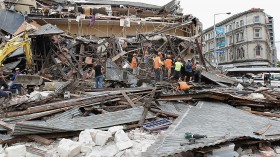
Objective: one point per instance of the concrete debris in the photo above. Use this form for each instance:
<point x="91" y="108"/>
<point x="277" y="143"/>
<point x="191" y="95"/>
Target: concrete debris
<point x="101" y="137"/>
<point x="68" y="148"/>
<point x="138" y="84"/>
<point x="122" y="140"/>
<point x="114" y="129"/>
<point x="16" y="151"/>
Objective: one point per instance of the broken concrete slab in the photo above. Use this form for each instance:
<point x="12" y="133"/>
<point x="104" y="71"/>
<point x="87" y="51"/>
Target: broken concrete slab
<point x="68" y="148"/>
<point x="114" y="129"/>
<point x="122" y="140"/>
<point x="102" y="137"/>
<point x="16" y="151"/>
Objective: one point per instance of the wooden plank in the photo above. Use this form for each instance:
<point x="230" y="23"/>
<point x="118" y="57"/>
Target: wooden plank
<point x="263" y="130"/>
<point x="39" y="139"/>
<point x="165" y="113"/>
<point x="265" y="114"/>
<point x="147" y="107"/>
<point x="6" y="125"/>
<point x="128" y="99"/>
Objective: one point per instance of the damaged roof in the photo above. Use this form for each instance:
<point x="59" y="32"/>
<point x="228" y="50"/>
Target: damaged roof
<point x="110" y="2"/>
<point x="217" y="121"/>
<point x="48" y="29"/>
<point x="10" y="20"/>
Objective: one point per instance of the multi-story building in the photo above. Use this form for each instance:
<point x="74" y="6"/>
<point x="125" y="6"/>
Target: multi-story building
<point x="249" y="41"/>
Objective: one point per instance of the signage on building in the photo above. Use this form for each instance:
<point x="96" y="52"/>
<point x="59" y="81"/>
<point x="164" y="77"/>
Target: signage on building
<point x="220" y="51"/>
<point x="220" y="37"/>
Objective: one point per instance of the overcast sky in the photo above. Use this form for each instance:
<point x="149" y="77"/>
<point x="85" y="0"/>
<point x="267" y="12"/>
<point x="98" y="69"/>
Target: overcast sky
<point x="205" y="10"/>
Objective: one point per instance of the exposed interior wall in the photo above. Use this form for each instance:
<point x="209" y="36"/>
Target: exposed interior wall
<point x="109" y="30"/>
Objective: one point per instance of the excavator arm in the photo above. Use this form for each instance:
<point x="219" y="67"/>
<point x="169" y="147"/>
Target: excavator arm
<point x="13" y="45"/>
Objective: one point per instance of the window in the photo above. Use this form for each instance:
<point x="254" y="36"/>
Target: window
<point x="241" y="23"/>
<point x="230" y="40"/>
<point x="230" y="27"/>
<point x="230" y="54"/>
<point x="256" y="19"/>
<point x="241" y="36"/>
<point x="257" y="32"/>
<point x="258" y="50"/>
<point x="211" y="45"/>
<point x="237" y="37"/>
<point x="222" y="57"/>
<point x="237" y="24"/>
<point x="240" y="53"/>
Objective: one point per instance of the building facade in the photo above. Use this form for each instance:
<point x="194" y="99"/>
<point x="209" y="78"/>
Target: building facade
<point x="248" y="41"/>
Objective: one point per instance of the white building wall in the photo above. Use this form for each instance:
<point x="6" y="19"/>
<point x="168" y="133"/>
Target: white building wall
<point x="246" y="24"/>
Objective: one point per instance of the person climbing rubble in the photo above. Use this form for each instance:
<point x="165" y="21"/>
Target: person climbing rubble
<point x="168" y="66"/>
<point x="157" y="66"/>
<point x="183" y="86"/>
<point x="134" y="64"/>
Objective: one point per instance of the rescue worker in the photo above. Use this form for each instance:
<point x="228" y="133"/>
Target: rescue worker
<point x="168" y="66"/>
<point x="157" y="66"/>
<point x="3" y="83"/>
<point x="146" y="60"/>
<point x="134" y="64"/>
<point x="188" y="71"/>
<point x="197" y="72"/>
<point x="193" y="69"/>
<point x="98" y="75"/>
<point x="183" y="86"/>
<point x="178" y="67"/>
<point x="16" y="86"/>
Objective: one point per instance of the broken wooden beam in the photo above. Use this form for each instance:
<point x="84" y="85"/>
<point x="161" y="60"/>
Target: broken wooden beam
<point x="265" y="114"/>
<point x="39" y="139"/>
<point x="164" y="112"/>
<point x="6" y="126"/>
<point x="263" y="130"/>
<point x="128" y="99"/>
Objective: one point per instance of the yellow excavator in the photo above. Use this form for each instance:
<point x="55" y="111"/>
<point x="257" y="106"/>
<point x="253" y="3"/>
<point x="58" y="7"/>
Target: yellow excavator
<point x="9" y="47"/>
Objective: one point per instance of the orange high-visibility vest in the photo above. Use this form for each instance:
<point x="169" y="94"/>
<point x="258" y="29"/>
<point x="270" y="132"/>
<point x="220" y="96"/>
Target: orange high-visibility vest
<point x="183" y="85"/>
<point x="156" y="62"/>
<point x="133" y="62"/>
<point x="168" y="63"/>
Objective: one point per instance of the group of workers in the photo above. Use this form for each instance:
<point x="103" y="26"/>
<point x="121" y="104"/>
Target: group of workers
<point x="164" y="65"/>
<point x="7" y="86"/>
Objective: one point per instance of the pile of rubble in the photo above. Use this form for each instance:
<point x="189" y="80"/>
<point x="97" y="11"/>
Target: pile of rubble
<point x="61" y="113"/>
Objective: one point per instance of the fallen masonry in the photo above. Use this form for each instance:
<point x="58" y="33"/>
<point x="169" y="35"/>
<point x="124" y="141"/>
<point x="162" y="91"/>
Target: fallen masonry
<point x="59" y="110"/>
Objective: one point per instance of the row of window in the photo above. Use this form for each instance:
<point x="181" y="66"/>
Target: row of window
<point x="230" y="27"/>
<point x="239" y="36"/>
<point x="240" y="54"/>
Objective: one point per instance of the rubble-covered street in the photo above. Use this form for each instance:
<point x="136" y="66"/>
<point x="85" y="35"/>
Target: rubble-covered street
<point x="123" y="79"/>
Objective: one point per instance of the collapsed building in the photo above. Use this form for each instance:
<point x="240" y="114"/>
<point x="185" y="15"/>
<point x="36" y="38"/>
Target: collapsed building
<point x="67" y="36"/>
<point x="79" y="31"/>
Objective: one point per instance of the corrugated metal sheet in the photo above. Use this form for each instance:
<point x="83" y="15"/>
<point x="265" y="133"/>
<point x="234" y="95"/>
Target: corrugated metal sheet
<point x="48" y="29"/>
<point x="219" y="121"/>
<point x="10" y="20"/>
<point x="216" y="78"/>
<point x="65" y="115"/>
<point x="82" y="123"/>
<point x="173" y="107"/>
